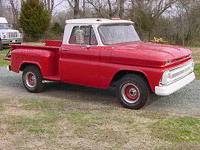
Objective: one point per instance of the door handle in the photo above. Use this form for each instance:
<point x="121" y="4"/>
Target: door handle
<point x="66" y="49"/>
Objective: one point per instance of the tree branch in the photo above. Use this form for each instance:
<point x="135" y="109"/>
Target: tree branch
<point x="70" y="4"/>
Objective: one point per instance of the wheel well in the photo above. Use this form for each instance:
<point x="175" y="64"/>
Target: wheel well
<point x="27" y="64"/>
<point x="122" y="73"/>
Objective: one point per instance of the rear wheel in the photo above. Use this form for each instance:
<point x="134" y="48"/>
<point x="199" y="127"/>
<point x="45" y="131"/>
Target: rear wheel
<point x="32" y="79"/>
<point x="132" y="91"/>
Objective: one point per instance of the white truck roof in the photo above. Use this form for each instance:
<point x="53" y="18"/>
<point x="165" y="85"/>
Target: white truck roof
<point x="3" y="20"/>
<point x="96" y="21"/>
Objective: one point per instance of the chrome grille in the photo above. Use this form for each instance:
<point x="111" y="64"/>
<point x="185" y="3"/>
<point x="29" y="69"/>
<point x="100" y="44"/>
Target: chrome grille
<point x="12" y="34"/>
<point x="181" y="71"/>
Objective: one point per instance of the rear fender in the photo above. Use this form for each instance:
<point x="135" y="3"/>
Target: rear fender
<point x="25" y="64"/>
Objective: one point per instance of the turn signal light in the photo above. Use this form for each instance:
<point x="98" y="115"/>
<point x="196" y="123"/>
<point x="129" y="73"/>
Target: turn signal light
<point x="115" y="18"/>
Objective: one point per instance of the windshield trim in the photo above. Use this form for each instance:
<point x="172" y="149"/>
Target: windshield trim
<point x="115" y="24"/>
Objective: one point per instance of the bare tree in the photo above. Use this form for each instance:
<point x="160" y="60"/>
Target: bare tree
<point x="74" y="4"/>
<point x="15" y="7"/>
<point x="188" y="12"/>
<point x="49" y="5"/>
<point x="1" y="8"/>
<point x="62" y="16"/>
<point x="84" y="8"/>
<point x="147" y="12"/>
<point x="105" y="8"/>
<point x="155" y="7"/>
<point x="121" y="9"/>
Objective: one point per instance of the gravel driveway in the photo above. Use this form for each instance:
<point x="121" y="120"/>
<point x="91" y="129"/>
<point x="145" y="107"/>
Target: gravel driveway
<point x="184" y="101"/>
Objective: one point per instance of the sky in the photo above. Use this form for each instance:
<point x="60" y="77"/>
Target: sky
<point x="61" y="7"/>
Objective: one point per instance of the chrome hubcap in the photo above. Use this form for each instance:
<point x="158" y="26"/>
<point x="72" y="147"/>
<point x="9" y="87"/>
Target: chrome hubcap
<point x="130" y="93"/>
<point x="133" y="92"/>
<point x="30" y="79"/>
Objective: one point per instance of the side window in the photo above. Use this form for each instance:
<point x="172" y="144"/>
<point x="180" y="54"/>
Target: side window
<point x="88" y="33"/>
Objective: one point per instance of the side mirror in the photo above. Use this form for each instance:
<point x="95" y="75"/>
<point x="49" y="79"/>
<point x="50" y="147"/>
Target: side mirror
<point x="79" y="36"/>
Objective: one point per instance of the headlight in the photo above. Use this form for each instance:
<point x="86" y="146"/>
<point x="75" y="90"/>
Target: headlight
<point x="166" y="78"/>
<point x="3" y="35"/>
<point x="192" y="67"/>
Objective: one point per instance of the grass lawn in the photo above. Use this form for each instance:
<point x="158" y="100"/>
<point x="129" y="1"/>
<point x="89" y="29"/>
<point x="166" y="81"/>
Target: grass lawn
<point x="196" y="56"/>
<point x="66" y="124"/>
<point x="2" y="55"/>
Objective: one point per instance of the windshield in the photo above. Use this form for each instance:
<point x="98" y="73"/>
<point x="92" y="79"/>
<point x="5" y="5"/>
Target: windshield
<point x="4" y="26"/>
<point x="118" y="33"/>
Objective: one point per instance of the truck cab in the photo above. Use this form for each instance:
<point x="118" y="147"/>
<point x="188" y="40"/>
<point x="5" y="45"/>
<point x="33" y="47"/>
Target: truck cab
<point x="101" y="53"/>
<point x="8" y="35"/>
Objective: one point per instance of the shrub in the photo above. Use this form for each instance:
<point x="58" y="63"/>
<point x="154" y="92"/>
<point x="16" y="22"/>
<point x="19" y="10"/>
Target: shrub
<point x="57" y="29"/>
<point x="34" y="19"/>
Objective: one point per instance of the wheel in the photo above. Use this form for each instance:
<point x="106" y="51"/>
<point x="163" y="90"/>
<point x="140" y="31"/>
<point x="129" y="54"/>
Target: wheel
<point x="1" y="45"/>
<point x="32" y="79"/>
<point x="132" y="91"/>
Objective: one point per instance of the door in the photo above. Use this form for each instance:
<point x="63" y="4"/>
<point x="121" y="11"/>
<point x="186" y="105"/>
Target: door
<point x="79" y="63"/>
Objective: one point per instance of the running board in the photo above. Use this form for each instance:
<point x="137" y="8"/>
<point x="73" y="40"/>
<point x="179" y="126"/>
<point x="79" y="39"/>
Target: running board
<point x="53" y="78"/>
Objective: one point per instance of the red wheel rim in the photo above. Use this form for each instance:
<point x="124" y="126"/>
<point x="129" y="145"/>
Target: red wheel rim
<point x="132" y="93"/>
<point x="30" y="79"/>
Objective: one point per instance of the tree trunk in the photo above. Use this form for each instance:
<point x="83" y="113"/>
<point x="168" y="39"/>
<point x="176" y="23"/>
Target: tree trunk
<point x="83" y="8"/>
<point x="1" y="9"/>
<point x="76" y="9"/>
<point x="49" y="5"/>
<point x="15" y="14"/>
<point x="110" y="9"/>
<point x="121" y="10"/>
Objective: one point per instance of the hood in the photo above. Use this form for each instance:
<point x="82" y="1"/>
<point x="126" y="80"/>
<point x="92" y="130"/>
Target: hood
<point x="8" y="30"/>
<point x="147" y="54"/>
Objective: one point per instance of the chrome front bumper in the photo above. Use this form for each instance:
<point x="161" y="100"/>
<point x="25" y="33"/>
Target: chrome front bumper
<point x="12" y="41"/>
<point x="169" y="89"/>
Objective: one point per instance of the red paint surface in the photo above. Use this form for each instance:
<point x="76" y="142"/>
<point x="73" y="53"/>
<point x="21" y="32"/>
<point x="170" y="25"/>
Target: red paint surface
<point x="30" y="80"/>
<point x="53" y="43"/>
<point x="96" y="66"/>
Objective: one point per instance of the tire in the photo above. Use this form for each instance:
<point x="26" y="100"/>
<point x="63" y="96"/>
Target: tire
<point x="1" y="45"/>
<point x="132" y="91"/>
<point x="32" y="79"/>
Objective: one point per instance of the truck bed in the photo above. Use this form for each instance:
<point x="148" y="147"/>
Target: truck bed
<point x="49" y="44"/>
<point x="45" y="57"/>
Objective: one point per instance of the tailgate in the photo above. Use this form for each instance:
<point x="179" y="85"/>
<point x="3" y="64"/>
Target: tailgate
<point x="8" y="56"/>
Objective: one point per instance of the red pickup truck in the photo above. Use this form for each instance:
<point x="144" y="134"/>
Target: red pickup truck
<point x="102" y="53"/>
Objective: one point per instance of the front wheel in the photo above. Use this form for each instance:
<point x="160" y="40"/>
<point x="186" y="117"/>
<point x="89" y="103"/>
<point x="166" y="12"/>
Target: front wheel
<point x="132" y="91"/>
<point x="32" y="79"/>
